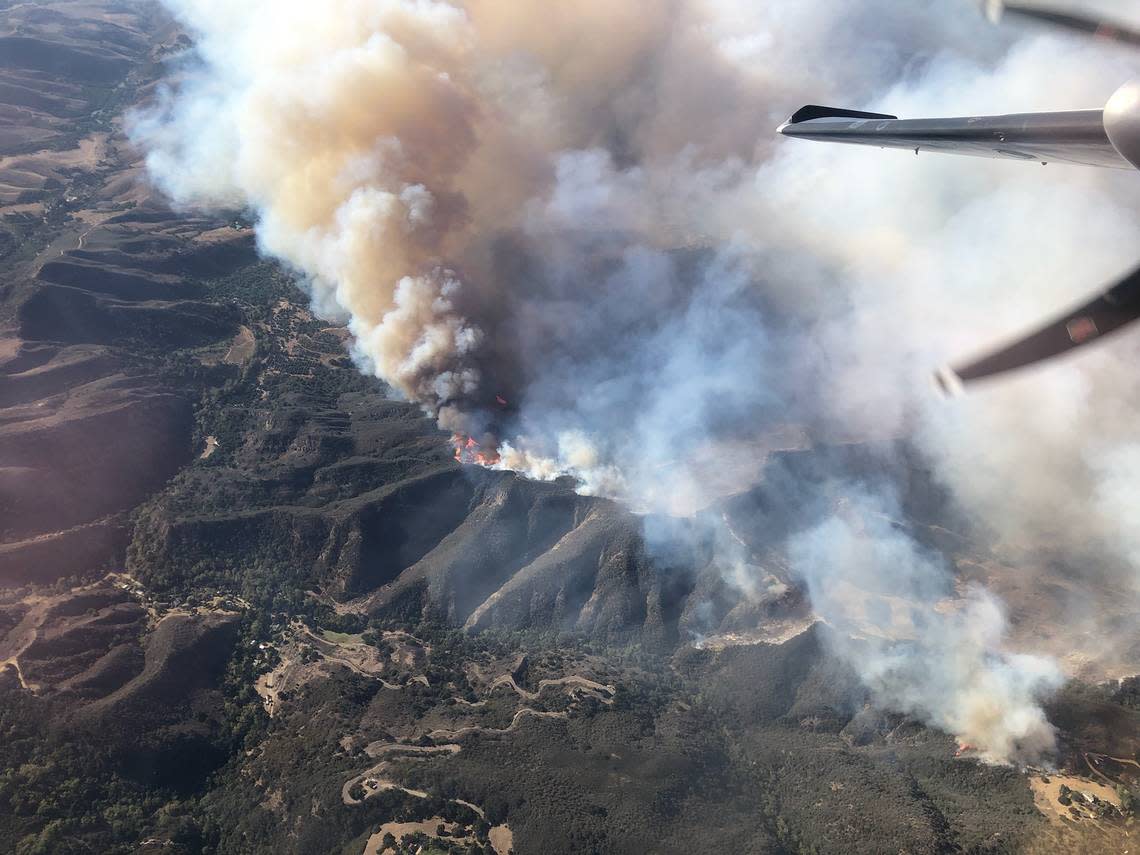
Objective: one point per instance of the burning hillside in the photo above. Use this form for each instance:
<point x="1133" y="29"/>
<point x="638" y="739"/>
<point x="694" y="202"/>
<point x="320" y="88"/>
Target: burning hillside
<point x="492" y="195"/>
<point x="469" y="451"/>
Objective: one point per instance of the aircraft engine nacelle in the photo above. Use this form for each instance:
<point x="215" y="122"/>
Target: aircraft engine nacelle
<point x="1122" y="121"/>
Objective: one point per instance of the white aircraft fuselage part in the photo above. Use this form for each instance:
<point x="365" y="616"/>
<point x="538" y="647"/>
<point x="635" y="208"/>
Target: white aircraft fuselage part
<point x="1122" y="121"/>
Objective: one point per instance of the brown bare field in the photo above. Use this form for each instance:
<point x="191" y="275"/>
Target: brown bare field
<point x="241" y="348"/>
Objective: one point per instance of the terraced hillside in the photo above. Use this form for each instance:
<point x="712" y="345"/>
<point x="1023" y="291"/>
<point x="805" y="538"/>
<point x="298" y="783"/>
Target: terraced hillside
<point x="95" y="290"/>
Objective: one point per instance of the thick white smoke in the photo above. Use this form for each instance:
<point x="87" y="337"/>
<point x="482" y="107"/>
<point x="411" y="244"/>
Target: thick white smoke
<point x="345" y="132"/>
<point x="582" y="209"/>
<point x="918" y="648"/>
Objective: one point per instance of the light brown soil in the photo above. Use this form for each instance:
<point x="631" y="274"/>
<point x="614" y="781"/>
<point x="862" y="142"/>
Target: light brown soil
<point x="1067" y="615"/>
<point x="514" y="725"/>
<point x="24" y="633"/>
<point x="373" y="780"/>
<point x="1079" y="833"/>
<point x="1045" y="796"/>
<point x="23" y="172"/>
<point x="603" y="693"/>
<point x="241" y="348"/>
<point x="773" y="632"/>
<point x="399" y="829"/>
<point x="334" y="649"/>
<point x="502" y="839"/>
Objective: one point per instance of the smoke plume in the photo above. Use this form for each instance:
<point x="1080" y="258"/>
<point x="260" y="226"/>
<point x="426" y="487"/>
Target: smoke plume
<point x="570" y="233"/>
<point x="918" y="648"/>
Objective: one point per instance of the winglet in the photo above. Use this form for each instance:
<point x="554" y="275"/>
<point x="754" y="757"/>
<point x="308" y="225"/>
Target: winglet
<point x="814" y="111"/>
<point x="948" y="382"/>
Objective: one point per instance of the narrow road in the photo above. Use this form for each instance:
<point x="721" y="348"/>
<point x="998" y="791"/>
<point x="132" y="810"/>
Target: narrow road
<point x="375" y="772"/>
<point x="476" y="728"/>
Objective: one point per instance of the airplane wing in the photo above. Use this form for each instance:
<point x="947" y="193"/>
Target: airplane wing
<point x="1101" y="316"/>
<point x="1089" y="25"/>
<point x="1070" y="137"/>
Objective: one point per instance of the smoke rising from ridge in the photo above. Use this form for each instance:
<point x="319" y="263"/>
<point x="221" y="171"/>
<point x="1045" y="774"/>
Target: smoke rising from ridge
<point x="582" y="209"/>
<point x="918" y="649"/>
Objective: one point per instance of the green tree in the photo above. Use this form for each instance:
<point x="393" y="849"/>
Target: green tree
<point x="1127" y="801"/>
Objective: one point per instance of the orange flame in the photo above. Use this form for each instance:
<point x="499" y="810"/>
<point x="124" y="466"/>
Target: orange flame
<point x="469" y="451"/>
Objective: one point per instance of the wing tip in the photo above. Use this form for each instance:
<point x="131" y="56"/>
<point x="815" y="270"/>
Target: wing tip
<point x="948" y="382"/>
<point x="815" y="111"/>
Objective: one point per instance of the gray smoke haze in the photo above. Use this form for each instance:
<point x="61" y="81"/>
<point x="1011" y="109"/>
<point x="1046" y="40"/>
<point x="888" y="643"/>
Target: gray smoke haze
<point x="919" y="648"/>
<point x="582" y="209"/>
